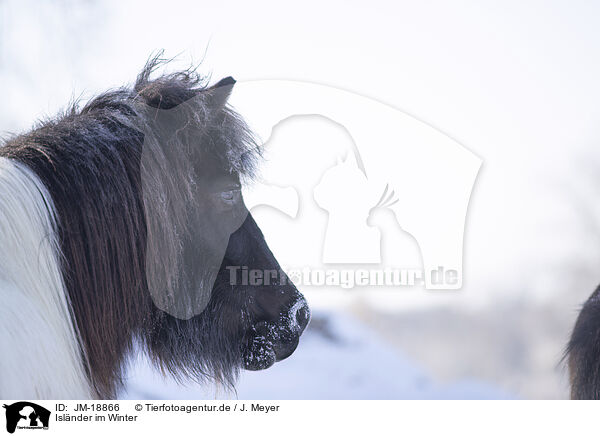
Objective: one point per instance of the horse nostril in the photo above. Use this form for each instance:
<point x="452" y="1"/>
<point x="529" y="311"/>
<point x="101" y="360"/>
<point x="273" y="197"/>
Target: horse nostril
<point x="302" y="316"/>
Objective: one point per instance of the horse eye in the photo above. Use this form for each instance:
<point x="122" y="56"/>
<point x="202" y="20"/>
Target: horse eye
<point x="229" y="196"/>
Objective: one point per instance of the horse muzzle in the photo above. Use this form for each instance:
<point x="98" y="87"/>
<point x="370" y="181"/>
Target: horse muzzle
<point x="271" y="341"/>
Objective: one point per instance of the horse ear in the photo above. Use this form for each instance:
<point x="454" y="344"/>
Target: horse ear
<point x="219" y="93"/>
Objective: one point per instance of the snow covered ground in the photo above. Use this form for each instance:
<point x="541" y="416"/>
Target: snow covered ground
<point x="338" y="358"/>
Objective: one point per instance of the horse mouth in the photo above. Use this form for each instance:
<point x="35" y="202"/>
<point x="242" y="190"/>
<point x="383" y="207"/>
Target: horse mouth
<point x="262" y="353"/>
<point x="269" y="342"/>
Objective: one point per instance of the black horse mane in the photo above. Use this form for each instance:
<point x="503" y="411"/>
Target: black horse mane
<point x="90" y="159"/>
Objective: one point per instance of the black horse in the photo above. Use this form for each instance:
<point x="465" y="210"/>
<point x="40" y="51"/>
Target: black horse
<point x="145" y="183"/>
<point x="583" y="351"/>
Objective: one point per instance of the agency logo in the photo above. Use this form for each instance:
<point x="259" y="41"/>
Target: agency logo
<point x="27" y="416"/>
<point x="366" y="195"/>
<point x="362" y="187"/>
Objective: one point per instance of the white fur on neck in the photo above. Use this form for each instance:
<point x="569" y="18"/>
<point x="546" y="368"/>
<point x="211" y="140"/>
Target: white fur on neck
<point x="40" y="357"/>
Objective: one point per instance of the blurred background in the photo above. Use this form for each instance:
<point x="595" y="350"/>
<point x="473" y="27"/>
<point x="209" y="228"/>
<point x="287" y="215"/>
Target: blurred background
<point x="514" y="82"/>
